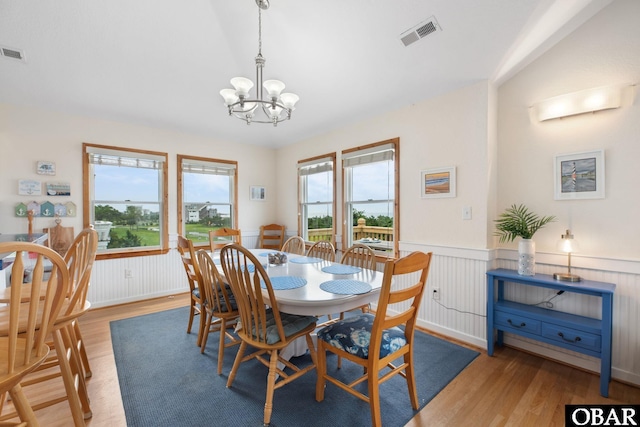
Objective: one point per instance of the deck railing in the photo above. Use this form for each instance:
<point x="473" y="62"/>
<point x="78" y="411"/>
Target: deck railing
<point x="360" y="231"/>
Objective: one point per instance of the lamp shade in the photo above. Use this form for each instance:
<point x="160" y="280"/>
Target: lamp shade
<point x="567" y="243"/>
<point x="229" y="96"/>
<point x="273" y="87"/>
<point x="289" y="100"/>
<point x="586" y="101"/>
<point x="242" y="85"/>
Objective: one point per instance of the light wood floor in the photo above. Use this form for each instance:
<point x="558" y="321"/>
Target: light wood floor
<point x="512" y="388"/>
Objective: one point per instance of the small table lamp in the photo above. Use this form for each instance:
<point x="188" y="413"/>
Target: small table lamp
<point x="568" y="245"/>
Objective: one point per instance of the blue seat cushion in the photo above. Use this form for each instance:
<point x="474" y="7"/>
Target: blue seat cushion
<point x="223" y="301"/>
<point x="353" y="335"/>
<point x="291" y="324"/>
<point x="196" y="293"/>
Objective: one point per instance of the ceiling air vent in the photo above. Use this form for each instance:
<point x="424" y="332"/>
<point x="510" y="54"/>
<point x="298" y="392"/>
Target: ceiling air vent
<point x="11" y="53"/>
<point x="420" y="31"/>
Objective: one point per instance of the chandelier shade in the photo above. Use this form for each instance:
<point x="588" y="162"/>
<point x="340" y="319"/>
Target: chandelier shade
<point x="276" y="107"/>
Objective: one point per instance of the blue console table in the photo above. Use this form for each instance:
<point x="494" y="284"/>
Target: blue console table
<point x="586" y="335"/>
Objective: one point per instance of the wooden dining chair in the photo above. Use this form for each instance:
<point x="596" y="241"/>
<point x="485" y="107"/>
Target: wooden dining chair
<point x="221" y="236"/>
<point x="361" y="256"/>
<point x="196" y="300"/>
<point x="220" y="309"/>
<point x="294" y="245"/>
<point x="69" y="359"/>
<point x="264" y="328"/>
<point x="376" y="341"/>
<point x="271" y="236"/>
<point x="25" y="325"/>
<point x="322" y="249"/>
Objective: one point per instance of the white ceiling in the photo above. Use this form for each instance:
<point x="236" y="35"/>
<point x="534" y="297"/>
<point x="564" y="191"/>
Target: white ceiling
<point x="162" y="63"/>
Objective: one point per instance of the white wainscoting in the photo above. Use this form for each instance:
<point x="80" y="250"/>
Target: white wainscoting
<point x="460" y="313"/>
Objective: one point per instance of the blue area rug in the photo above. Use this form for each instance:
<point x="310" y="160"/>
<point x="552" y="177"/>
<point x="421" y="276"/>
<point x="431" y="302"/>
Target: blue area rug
<point x="165" y="381"/>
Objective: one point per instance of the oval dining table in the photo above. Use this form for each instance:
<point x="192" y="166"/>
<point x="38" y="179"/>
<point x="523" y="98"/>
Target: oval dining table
<point x="311" y="298"/>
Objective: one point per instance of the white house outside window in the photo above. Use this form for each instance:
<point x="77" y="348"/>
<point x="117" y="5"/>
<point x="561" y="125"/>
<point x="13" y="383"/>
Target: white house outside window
<point x="207" y="196"/>
<point x="125" y="194"/>
<point x="316" y="198"/>
<point x="370" y="193"/>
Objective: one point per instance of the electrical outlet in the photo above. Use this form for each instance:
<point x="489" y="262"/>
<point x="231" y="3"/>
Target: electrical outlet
<point x="128" y="274"/>
<point x="435" y="294"/>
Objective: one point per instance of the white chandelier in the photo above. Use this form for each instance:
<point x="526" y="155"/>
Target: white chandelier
<point x="277" y="108"/>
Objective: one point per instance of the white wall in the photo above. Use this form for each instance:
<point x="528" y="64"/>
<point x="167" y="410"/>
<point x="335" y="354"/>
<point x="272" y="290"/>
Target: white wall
<point x="450" y="130"/>
<point x="604" y="51"/>
<point x="28" y="135"/>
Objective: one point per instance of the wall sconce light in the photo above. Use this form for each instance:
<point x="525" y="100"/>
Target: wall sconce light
<point x="585" y="101"/>
<point x="567" y="244"/>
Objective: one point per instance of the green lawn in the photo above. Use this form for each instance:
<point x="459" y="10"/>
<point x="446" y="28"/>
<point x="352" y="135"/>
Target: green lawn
<point x="150" y="236"/>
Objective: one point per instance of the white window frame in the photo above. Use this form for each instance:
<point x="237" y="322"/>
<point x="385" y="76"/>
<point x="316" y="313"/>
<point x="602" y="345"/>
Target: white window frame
<point x="204" y="165"/>
<point x="308" y="167"/>
<point x="372" y="153"/>
<point x="125" y="157"/>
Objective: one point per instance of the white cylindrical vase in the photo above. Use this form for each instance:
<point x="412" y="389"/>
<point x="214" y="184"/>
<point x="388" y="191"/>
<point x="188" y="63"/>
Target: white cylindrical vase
<point x="526" y="257"/>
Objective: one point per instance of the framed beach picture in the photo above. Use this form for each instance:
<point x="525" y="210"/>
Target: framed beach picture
<point x="579" y="175"/>
<point x="439" y="182"/>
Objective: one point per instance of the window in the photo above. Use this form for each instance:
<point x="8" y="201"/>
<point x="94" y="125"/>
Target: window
<point x="371" y="196"/>
<point x="316" y="192"/>
<point x="207" y="197"/>
<point x="125" y="193"/>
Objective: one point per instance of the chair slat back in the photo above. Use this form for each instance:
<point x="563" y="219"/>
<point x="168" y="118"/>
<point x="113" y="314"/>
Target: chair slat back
<point x="416" y="263"/>
<point x="222" y="236"/>
<point x="359" y="255"/>
<point x="80" y="258"/>
<point x="245" y="275"/>
<point x="322" y="249"/>
<point x="271" y="236"/>
<point x="294" y="245"/>
<point x="188" y="257"/>
<point x="24" y="326"/>
<point x="216" y="294"/>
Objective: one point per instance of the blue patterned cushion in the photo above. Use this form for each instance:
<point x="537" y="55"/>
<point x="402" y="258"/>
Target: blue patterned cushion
<point x="232" y="300"/>
<point x="353" y="335"/>
<point x="196" y="293"/>
<point x="291" y="324"/>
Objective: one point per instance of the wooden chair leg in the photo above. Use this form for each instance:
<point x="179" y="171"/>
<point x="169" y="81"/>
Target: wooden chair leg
<point x="192" y="315"/>
<point x="67" y="378"/>
<point x="75" y="363"/>
<point x="271" y="381"/>
<point x="223" y="331"/>
<point x="236" y="363"/>
<point x="205" y="331"/>
<point x="411" y="383"/>
<point x="22" y="406"/>
<point x="82" y="350"/>
<point x="374" y="398"/>
<point x="203" y="321"/>
<point x="321" y="371"/>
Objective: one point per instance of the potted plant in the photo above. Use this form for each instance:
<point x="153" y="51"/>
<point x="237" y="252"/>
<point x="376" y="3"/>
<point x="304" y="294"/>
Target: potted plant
<point x="518" y="221"/>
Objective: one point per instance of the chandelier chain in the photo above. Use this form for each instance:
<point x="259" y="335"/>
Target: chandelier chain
<point x="259" y="31"/>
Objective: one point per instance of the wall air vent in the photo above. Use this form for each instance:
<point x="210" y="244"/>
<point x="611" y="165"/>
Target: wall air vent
<point x="420" y="31"/>
<point x="11" y="53"/>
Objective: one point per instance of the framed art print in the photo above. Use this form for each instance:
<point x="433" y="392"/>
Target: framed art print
<point x="257" y="192"/>
<point x="440" y="182"/>
<point x="579" y="175"/>
<point x="45" y="168"/>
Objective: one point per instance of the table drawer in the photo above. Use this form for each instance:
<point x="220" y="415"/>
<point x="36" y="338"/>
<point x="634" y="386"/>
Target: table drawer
<point x="572" y="337"/>
<point x="521" y="323"/>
